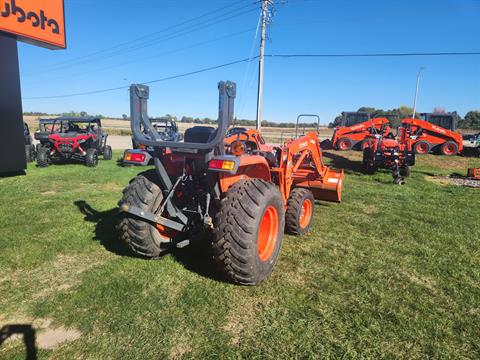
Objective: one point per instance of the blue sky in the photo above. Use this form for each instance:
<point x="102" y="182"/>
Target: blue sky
<point x="325" y="86"/>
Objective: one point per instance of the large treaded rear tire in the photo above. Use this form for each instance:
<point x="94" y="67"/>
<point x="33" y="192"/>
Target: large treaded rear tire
<point x="237" y="225"/>
<point x="142" y="237"/>
<point x="295" y="223"/>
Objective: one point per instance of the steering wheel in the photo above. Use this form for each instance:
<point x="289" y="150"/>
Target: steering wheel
<point x="239" y="133"/>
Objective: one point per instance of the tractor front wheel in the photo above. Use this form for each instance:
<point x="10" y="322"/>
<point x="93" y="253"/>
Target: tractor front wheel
<point x="248" y="231"/>
<point x="43" y="156"/>
<point x="91" y="158"/>
<point x="299" y="214"/>
<point x="141" y="237"/>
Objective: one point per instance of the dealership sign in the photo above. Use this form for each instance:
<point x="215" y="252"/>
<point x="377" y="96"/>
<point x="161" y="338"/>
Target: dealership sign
<point x="39" y="22"/>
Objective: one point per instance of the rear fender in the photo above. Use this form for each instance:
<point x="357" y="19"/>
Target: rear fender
<point x="249" y="167"/>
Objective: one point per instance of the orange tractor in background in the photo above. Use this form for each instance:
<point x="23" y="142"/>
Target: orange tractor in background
<point x="434" y="133"/>
<point x="355" y="128"/>
<point x="390" y="152"/>
<point x="230" y="193"/>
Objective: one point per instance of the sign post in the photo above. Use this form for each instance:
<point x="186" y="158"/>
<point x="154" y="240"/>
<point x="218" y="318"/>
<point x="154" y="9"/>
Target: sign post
<point x="38" y="22"/>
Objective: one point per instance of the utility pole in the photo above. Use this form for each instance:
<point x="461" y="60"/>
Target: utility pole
<point x="416" y="92"/>
<point x="261" y="63"/>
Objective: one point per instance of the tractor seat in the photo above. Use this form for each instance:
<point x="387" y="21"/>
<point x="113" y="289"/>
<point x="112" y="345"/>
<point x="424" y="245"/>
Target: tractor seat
<point x="199" y="134"/>
<point x="389" y="143"/>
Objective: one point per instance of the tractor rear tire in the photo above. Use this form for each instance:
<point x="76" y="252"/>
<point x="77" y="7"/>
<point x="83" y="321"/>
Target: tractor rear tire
<point x="299" y="214"/>
<point x="405" y="171"/>
<point x="344" y="144"/>
<point x="107" y="152"/>
<point x="42" y="156"/>
<point x="141" y="237"/>
<point x="248" y="231"/>
<point x="450" y="148"/>
<point x="422" y="148"/>
<point x="91" y="158"/>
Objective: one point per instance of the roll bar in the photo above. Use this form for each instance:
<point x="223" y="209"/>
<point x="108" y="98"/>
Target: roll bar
<point x="307" y="115"/>
<point x="144" y="133"/>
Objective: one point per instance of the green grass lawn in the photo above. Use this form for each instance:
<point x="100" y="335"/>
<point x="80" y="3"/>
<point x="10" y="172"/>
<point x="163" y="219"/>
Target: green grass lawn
<point x="392" y="272"/>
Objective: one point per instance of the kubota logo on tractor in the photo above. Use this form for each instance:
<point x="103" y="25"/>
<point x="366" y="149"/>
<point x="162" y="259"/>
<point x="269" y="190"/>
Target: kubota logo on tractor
<point x="35" y="21"/>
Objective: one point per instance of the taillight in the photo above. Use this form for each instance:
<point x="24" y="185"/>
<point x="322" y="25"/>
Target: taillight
<point x="218" y="164"/>
<point x="135" y="157"/>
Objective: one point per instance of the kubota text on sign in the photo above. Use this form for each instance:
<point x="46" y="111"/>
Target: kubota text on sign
<point x="41" y="22"/>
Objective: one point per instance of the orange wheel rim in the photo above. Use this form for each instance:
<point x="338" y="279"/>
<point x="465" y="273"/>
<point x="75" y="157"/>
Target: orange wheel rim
<point x="422" y="148"/>
<point x="305" y="213"/>
<point x="267" y="233"/>
<point x="343" y="145"/>
<point x="449" y="149"/>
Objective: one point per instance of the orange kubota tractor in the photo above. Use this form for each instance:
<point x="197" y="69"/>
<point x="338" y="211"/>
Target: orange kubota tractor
<point x="434" y="133"/>
<point x="240" y="199"/>
<point x="388" y="152"/>
<point x="354" y="129"/>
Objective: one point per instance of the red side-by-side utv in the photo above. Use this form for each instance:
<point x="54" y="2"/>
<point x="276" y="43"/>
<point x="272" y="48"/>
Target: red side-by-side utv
<point x="71" y="138"/>
<point x="234" y="195"/>
<point x="434" y="133"/>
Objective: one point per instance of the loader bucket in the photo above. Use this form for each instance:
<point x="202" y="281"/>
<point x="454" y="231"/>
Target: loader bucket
<point x="326" y="144"/>
<point x="329" y="188"/>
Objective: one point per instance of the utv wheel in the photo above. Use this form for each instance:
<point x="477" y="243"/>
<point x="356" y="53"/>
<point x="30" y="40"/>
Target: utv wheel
<point x="299" y="214"/>
<point x="29" y="153"/>
<point x="449" y="148"/>
<point x="143" y="238"/>
<point x="405" y="171"/>
<point x="344" y="144"/>
<point x="107" y="152"/>
<point x="248" y="231"/>
<point x="422" y="148"/>
<point x="91" y="159"/>
<point x="43" y="157"/>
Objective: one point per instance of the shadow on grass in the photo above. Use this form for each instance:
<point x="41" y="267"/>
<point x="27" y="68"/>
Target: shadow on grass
<point x="28" y="333"/>
<point x="341" y="162"/>
<point x="196" y="257"/>
<point x="105" y="228"/>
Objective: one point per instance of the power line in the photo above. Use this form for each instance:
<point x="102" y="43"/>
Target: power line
<point x="256" y="57"/>
<point x="150" y="34"/>
<point x="146" y="82"/>
<point x="143" y="42"/>
<point x="374" y="54"/>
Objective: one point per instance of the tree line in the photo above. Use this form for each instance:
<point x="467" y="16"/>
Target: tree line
<point x="470" y="121"/>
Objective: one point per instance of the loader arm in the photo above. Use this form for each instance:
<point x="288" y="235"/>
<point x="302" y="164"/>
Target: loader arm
<point x="302" y="166"/>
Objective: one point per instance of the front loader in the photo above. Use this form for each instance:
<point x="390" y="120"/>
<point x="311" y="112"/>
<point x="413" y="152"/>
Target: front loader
<point x="240" y="198"/>
<point x="355" y="128"/>
<point x="434" y="133"/>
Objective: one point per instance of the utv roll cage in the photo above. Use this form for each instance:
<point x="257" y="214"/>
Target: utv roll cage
<point x="66" y="121"/>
